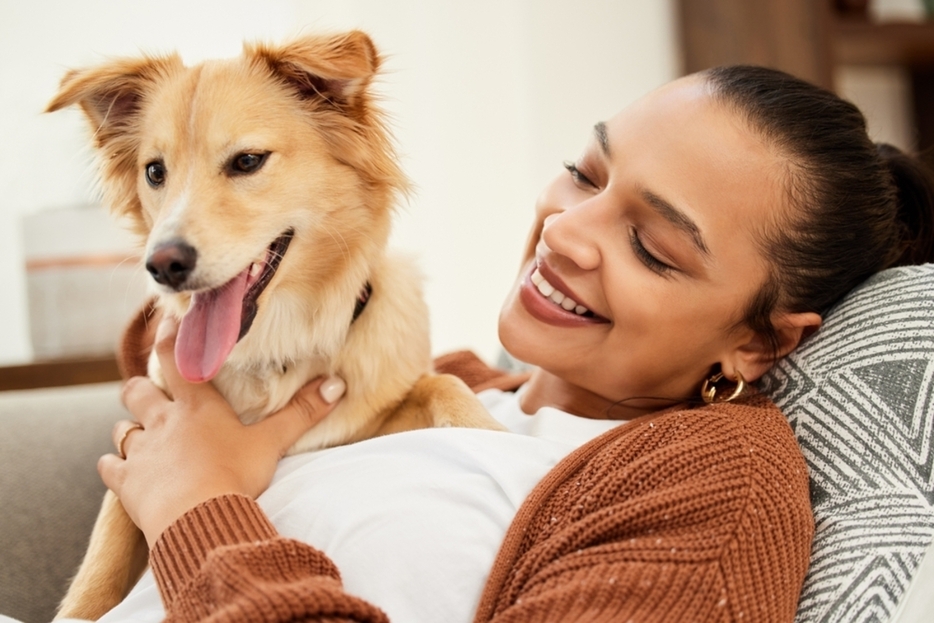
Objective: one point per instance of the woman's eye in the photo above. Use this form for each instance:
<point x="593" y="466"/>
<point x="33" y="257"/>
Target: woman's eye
<point x="578" y="177"/>
<point x="645" y="257"/>
<point x="246" y="163"/>
<point x="155" y="173"/>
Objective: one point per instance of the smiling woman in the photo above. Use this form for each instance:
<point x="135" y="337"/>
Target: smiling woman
<point x="654" y="230"/>
<point x="701" y="235"/>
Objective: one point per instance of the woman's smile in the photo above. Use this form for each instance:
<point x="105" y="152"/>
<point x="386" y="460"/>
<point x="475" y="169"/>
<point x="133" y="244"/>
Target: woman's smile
<point x="649" y="239"/>
<point x="548" y="299"/>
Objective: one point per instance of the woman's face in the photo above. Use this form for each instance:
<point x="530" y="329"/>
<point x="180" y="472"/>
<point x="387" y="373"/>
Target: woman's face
<point x="646" y="253"/>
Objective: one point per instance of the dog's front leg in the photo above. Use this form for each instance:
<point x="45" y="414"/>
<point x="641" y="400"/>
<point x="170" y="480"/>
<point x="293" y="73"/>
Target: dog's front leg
<point x="116" y="558"/>
<point x="439" y="400"/>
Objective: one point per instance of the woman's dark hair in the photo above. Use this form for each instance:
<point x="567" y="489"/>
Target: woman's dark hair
<point x="857" y="207"/>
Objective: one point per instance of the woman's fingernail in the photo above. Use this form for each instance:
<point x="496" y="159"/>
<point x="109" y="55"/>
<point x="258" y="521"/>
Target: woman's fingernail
<point x="332" y="388"/>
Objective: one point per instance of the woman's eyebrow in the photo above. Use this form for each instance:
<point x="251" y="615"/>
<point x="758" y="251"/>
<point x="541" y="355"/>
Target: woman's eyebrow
<point x="677" y="218"/>
<point x="599" y="131"/>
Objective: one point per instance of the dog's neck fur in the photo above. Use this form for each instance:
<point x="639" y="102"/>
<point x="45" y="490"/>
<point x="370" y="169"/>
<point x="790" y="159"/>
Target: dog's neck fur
<point x="269" y="365"/>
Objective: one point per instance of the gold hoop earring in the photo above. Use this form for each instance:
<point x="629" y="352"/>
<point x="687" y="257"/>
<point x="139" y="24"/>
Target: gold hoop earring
<point x="709" y="388"/>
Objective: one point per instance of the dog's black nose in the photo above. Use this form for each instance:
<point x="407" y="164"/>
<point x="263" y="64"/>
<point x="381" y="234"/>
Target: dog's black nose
<point x="171" y="263"/>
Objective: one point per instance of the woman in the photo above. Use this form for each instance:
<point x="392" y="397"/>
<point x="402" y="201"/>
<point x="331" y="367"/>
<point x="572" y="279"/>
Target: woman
<point x="699" y="238"/>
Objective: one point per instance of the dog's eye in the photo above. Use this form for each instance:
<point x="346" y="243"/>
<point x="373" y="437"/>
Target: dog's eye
<point x="244" y="164"/>
<point x="155" y="173"/>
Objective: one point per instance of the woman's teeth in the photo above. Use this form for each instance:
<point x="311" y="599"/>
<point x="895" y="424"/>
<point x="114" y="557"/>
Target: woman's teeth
<point x="548" y="291"/>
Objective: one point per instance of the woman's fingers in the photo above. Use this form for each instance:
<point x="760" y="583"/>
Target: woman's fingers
<point x="142" y="398"/>
<point x="166" y="333"/>
<point x="307" y="407"/>
<point x="176" y="385"/>
<point x="121" y="435"/>
<point x="111" y="469"/>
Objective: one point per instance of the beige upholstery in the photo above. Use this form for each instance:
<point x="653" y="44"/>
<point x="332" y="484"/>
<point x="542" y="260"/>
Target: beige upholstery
<point x="49" y="489"/>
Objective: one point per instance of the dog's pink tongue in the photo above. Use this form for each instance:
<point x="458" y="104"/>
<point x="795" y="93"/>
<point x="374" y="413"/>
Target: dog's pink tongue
<point x="210" y="329"/>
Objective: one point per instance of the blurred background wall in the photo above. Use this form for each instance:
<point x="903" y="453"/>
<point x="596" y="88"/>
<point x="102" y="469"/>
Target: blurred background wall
<point x="487" y="98"/>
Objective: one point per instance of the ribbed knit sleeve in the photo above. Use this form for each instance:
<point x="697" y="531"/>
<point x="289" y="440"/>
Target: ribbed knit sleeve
<point x="224" y="561"/>
<point x="690" y="515"/>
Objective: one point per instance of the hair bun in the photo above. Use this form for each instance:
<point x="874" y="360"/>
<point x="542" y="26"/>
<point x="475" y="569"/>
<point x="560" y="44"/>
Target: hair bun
<point x="914" y="183"/>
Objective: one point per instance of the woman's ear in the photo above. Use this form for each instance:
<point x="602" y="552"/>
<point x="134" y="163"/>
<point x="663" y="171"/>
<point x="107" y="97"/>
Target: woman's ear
<point x="754" y="356"/>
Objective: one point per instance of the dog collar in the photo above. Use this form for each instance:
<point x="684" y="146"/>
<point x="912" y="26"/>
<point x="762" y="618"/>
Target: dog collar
<point x="362" y="299"/>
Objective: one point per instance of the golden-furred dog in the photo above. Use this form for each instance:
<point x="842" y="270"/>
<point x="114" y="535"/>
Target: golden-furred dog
<point x="263" y="188"/>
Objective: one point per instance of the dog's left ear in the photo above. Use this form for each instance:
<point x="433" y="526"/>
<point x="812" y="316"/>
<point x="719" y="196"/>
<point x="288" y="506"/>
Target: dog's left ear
<point x="111" y="94"/>
<point x="337" y="68"/>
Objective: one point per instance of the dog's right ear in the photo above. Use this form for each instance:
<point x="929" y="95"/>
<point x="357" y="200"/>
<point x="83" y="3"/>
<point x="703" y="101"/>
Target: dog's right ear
<point x="110" y="94"/>
<point x="337" y="68"/>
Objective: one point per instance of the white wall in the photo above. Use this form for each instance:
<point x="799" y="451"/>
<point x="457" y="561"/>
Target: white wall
<point x="488" y="97"/>
<point x="883" y="93"/>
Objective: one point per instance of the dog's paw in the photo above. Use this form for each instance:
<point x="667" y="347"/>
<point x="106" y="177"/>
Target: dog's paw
<point x="473" y="420"/>
<point x="453" y="404"/>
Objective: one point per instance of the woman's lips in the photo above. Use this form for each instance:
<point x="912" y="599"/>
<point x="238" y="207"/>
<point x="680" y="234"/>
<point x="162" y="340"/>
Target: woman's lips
<point x="551" y="302"/>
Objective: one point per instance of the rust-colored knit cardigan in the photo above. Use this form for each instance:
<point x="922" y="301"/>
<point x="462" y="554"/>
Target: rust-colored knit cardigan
<point x="683" y="515"/>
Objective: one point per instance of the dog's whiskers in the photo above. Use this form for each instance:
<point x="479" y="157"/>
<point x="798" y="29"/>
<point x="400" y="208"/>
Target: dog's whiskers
<point x="340" y="240"/>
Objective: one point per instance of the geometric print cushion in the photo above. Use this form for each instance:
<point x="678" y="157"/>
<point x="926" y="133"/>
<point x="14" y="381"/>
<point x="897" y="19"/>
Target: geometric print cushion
<point x="859" y="395"/>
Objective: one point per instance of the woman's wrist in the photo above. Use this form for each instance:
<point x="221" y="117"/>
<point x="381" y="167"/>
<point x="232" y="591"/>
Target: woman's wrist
<point x="182" y="547"/>
<point x="153" y="524"/>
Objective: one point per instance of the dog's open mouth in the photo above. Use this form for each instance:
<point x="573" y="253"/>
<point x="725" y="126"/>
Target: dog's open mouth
<point x="217" y="319"/>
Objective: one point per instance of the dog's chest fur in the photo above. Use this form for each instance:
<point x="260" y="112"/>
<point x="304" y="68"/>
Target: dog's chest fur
<point x="387" y="347"/>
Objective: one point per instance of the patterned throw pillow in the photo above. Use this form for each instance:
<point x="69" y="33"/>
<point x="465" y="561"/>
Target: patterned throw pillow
<point x="860" y="397"/>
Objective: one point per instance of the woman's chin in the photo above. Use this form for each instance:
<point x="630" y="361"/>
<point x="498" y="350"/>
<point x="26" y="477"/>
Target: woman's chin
<point x="528" y="339"/>
<point x="516" y="334"/>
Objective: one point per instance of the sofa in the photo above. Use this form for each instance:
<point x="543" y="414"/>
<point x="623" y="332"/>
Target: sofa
<point x="859" y="395"/>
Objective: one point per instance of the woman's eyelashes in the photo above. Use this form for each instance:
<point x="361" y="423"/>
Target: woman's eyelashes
<point x="647" y="258"/>
<point x="579" y="178"/>
<point x="641" y="252"/>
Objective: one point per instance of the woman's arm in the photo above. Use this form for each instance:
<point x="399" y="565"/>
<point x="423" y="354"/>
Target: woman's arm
<point x="694" y="515"/>
<point x="188" y="479"/>
<point x="224" y="561"/>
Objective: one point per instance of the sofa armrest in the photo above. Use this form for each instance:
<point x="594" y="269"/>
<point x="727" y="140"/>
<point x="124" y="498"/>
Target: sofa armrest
<point x="50" y="492"/>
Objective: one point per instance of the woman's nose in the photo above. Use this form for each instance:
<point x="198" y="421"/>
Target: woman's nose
<point x="570" y="233"/>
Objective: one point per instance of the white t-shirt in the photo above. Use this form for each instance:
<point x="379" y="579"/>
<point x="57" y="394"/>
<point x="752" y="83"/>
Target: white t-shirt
<point x="413" y="520"/>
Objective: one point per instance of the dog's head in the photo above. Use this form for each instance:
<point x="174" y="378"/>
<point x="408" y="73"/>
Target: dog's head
<point x="262" y="185"/>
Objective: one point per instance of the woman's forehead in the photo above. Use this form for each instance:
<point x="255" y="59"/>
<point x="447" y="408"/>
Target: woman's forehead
<point x="684" y="144"/>
<point x="683" y="101"/>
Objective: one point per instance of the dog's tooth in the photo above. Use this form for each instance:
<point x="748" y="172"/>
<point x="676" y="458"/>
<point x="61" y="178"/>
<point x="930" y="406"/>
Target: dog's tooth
<point x="255" y="270"/>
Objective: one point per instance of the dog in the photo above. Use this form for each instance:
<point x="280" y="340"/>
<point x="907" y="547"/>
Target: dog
<point x="263" y="188"/>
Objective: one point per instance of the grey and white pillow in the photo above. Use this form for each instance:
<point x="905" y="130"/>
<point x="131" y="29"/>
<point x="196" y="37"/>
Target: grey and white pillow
<point x="859" y="395"/>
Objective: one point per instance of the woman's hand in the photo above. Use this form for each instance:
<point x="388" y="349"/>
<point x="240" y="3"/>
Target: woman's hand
<point x="193" y="447"/>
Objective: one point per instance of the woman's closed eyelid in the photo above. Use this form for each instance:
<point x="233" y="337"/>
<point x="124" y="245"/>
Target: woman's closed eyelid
<point x="642" y="253"/>
<point x="652" y="263"/>
<point x="578" y="175"/>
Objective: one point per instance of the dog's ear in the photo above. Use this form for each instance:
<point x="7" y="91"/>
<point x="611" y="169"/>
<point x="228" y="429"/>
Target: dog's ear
<point x="110" y="94"/>
<point x="337" y="68"/>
